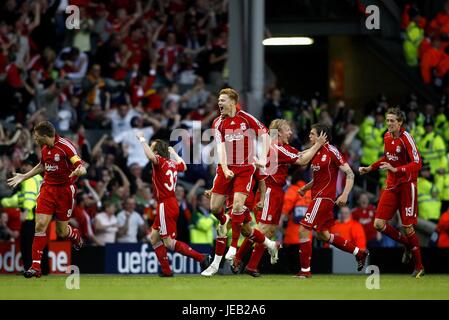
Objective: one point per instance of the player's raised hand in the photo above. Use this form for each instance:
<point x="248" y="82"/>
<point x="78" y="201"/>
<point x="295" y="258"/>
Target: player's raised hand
<point x="16" y="180"/>
<point x="322" y="138"/>
<point x="387" y="166"/>
<point x="79" y="171"/>
<point x="364" y="170"/>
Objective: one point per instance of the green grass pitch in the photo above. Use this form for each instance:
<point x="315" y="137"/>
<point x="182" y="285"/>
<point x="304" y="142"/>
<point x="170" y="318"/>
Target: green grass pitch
<point x="241" y="287"/>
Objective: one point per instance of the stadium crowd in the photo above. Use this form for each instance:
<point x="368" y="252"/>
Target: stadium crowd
<point x="158" y="65"/>
<point x="426" y="41"/>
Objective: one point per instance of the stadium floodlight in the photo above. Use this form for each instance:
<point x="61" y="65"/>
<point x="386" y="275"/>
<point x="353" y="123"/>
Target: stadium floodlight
<point x="288" y="41"/>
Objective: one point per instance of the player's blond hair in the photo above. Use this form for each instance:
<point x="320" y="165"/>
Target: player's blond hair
<point x="276" y="124"/>
<point x="231" y="93"/>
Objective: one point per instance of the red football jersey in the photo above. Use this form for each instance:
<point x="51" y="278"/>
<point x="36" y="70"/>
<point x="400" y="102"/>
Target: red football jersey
<point x="280" y="157"/>
<point x="238" y="133"/>
<point x="165" y="175"/>
<point x="59" y="161"/>
<point x="402" y="154"/>
<point x="325" y="165"/>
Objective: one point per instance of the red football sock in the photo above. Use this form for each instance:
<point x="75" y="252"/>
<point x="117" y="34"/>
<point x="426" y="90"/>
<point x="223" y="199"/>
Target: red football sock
<point x="305" y="255"/>
<point x="257" y="236"/>
<point x="220" y="246"/>
<point x="257" y="254"/>
<point x="395" y="234"/>
<point x="244" y="248"/>
<point x="39" y="243"/>
<point x="237" y="219"/>
<point x="186" y="250"/>
<point x="416" y="250"/>
<point x="161" y="253"/>
<point x="343" y="244"/>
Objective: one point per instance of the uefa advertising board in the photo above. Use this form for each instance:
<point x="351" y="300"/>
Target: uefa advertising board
<point x="140" y="258"/>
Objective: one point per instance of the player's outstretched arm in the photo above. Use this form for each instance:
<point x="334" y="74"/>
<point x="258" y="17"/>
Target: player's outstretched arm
<point x="19" y="177"/>
<point x="364" y="170"/>
<point x="343" y="198"/>
<point x="307" y="155"/>
<point x="146" y="148"/>
<point x="375" y="166"/>
<point x="302" y="191"/>
<point x="262" y="159"/>
<point x="175" y="155"/>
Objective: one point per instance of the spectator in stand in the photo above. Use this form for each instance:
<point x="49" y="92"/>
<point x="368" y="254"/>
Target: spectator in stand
<point x="95" y="87"/>
<point x="371" y="134"/>
<point x="293" y="210"/>
<point x="364" y="214"/>
<point x="272" y="108"/>
<point x="81" y="219"/>
<point x="414" y="34"/>
<point x="82" y="38"/>
<point x="440" y="24"/>
<point x="169" y="56"/>
<point x="6" y="234"/>
<point x="49" y="100"/>
<point x="195" y="97"/>
<point x="443" y="231"/>
<point x="429" y="202"/>
<point x="106" y="224"/>
<point x="130" y="145"/>
<point x="121" y="118"/>
<point x="434" y="64"/>
<point x="349" y="229"/>
<point x="102" y="27"/>
<point x="131" y="226"/>
<point x="73" y="62"/>
<point x="217" y="60"/>
<point x="408" y="12"/>
<point x="202" y="227"/>
<point x="185" y="215"/>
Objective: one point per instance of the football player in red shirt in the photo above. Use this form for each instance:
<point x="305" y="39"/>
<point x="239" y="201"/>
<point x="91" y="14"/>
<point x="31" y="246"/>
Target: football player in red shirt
<point x="61" y="166"/>
<point x="281" y="156"/>
<point x="235" y="132"/>
<point x="319" y="216"/>
<point x="402" y="161"/>
<point x="163" y="230"/>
